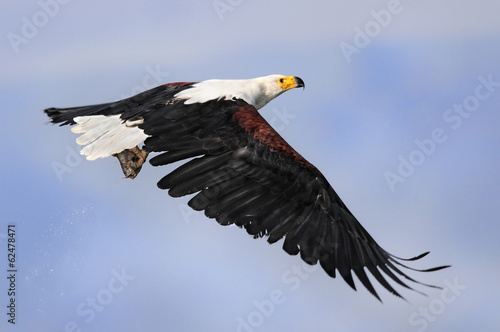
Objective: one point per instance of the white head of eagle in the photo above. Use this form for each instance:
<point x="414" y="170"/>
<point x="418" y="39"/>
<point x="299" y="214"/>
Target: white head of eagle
<point x="256" y="92"/>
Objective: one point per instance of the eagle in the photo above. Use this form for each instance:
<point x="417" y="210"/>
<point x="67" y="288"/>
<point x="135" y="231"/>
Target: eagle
<point x="238" y="169"/>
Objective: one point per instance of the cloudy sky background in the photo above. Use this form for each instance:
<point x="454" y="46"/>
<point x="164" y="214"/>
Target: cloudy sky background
<point x="79" y="225"/>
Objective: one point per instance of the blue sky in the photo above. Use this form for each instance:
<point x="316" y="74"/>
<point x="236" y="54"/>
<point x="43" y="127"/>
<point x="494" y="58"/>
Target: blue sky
<point x="412" y="102"/>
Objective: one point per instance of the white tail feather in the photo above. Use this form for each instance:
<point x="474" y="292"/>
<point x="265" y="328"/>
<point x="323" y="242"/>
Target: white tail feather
<point x="107" y="135"/>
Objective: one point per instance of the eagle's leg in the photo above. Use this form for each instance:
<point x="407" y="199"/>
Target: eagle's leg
<point x="131" y="161"/>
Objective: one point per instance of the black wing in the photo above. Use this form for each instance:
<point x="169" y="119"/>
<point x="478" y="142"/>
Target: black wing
<point x="246" y="174"/>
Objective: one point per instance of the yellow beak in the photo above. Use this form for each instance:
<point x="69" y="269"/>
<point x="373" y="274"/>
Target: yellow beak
<point x="291" y="82"/>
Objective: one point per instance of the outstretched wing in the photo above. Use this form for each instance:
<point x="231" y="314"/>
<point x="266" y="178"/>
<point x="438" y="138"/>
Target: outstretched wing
<point x="244" y="173"/>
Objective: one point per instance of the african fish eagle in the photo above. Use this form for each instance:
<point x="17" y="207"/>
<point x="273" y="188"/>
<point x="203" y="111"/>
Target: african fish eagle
<point x="243" y="173"/>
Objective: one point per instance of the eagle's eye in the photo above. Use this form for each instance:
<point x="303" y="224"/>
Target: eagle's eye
<point x="281" y="80"/>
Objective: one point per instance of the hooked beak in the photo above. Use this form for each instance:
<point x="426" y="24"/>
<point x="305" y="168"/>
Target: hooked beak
<point x="290" y="82"/>
<point x="298" y="82"/>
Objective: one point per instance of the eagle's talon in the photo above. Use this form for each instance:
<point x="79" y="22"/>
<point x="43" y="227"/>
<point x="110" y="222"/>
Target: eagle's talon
<point x="131" y="161"/>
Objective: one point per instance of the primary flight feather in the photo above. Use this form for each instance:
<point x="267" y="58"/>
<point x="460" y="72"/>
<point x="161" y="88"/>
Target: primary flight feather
<point x="243" y="171"/>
